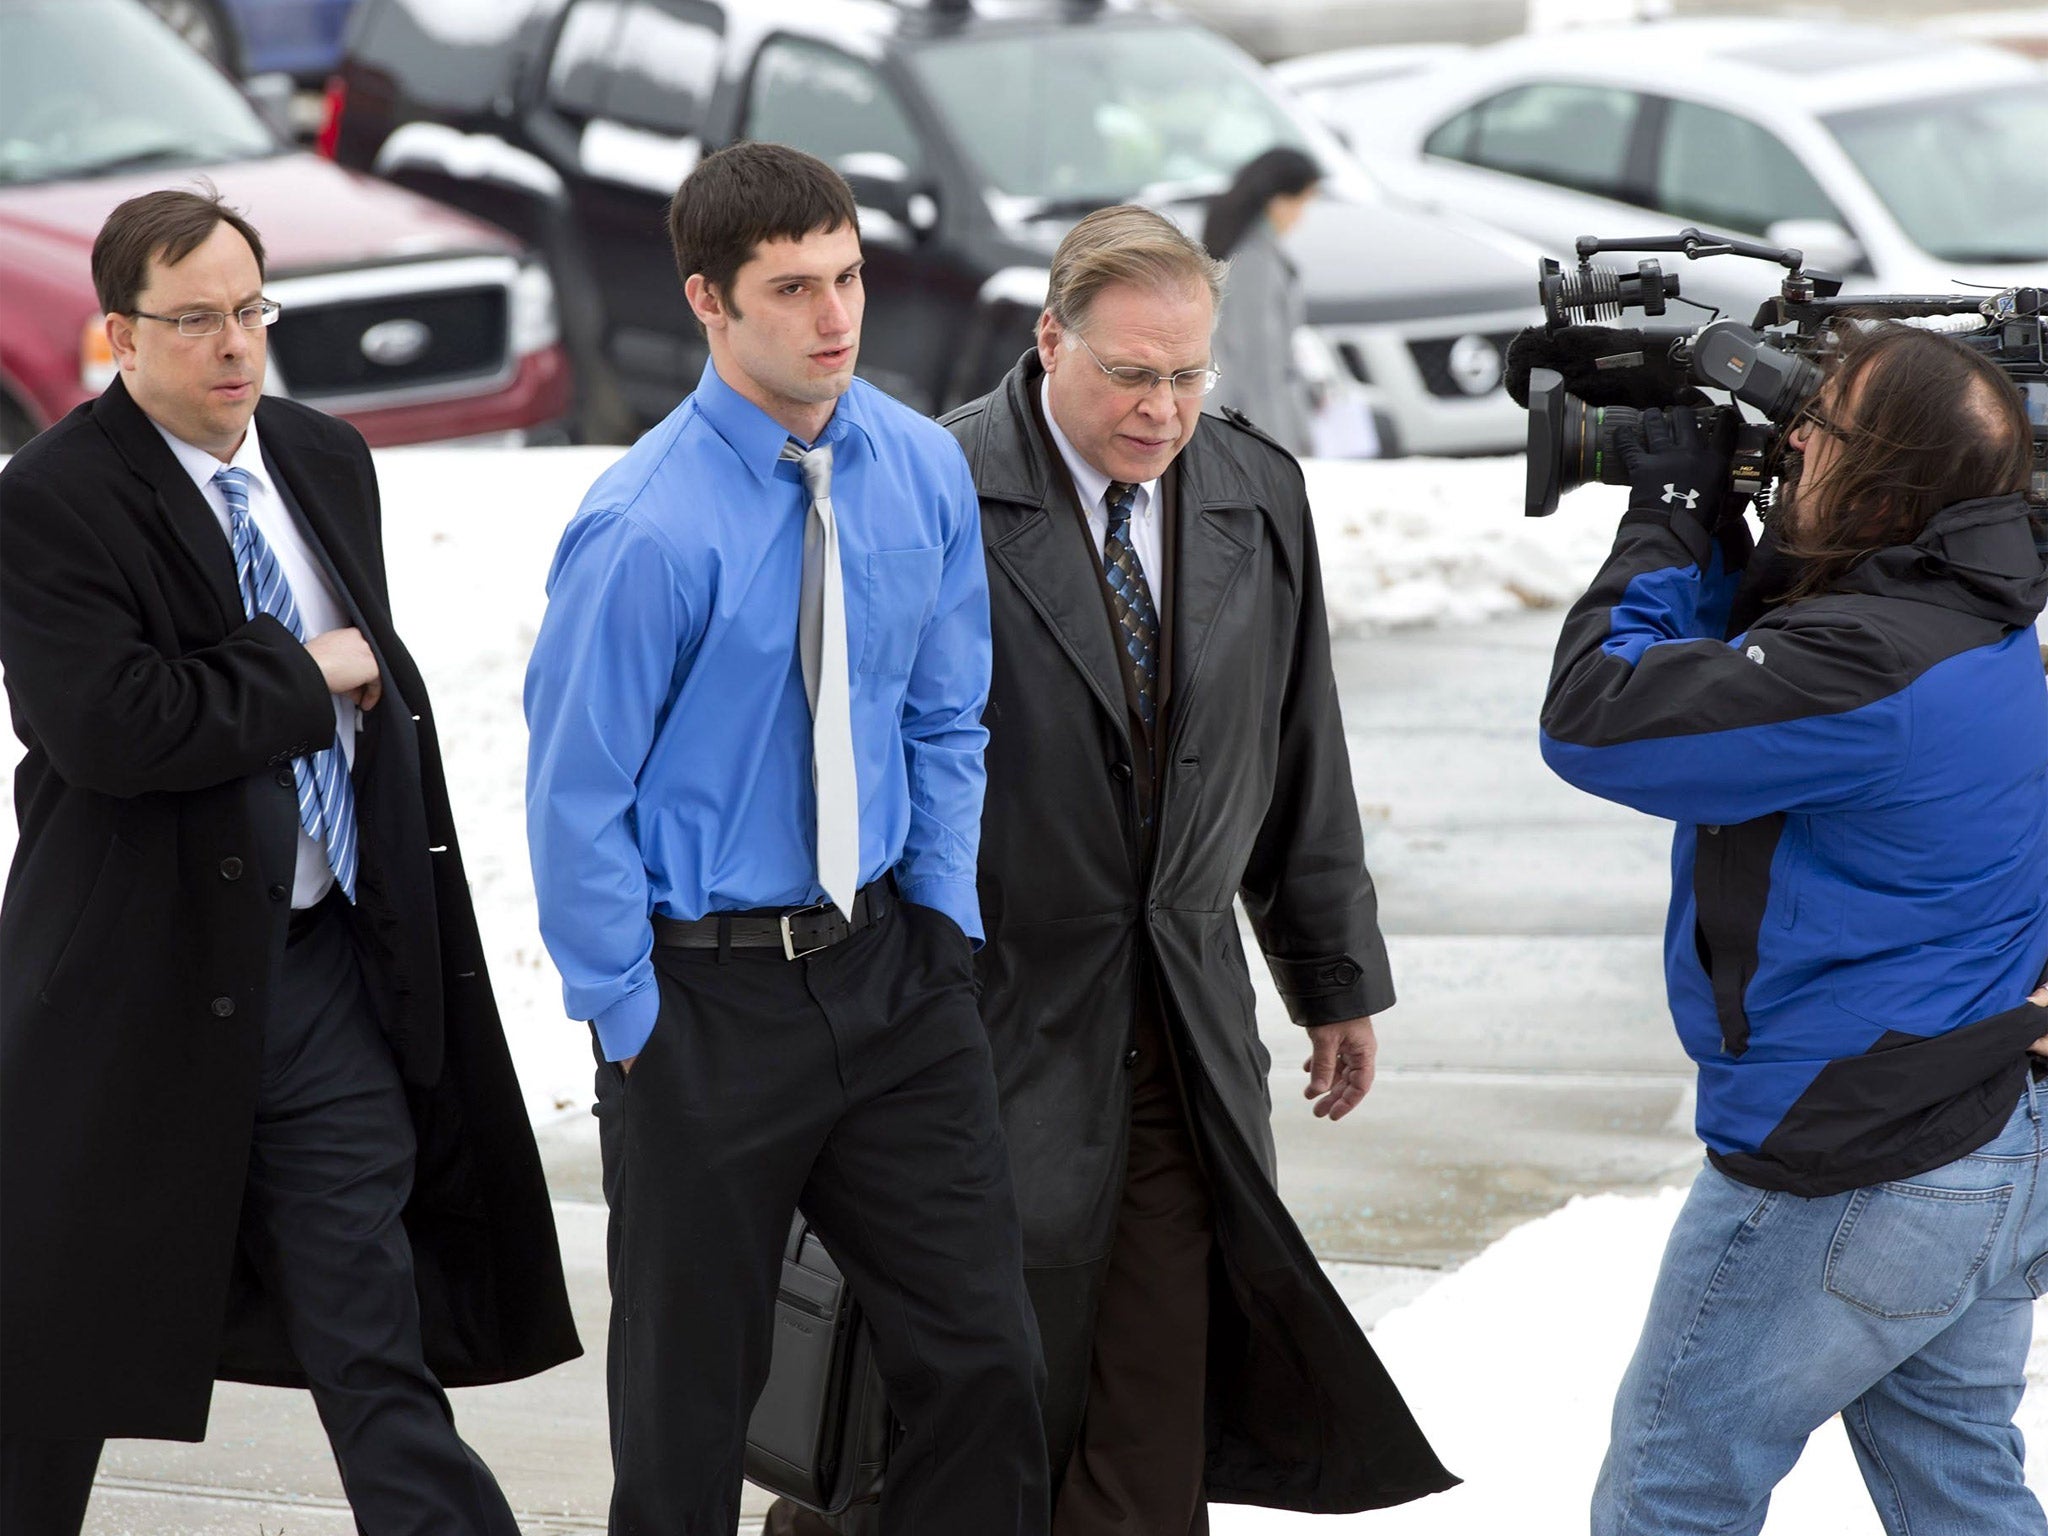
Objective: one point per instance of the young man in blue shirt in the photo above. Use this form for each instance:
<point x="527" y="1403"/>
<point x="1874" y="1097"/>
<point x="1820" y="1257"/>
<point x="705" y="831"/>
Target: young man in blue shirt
<point x="753" y="796"/>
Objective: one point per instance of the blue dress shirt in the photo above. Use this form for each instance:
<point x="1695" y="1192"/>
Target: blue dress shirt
<point x="669" y="769"/>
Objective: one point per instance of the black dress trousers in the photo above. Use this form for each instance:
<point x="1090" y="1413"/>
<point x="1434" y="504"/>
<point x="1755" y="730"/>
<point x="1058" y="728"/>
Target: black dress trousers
<point x="854" y="1082"/>
<point x="330" y="1170"/>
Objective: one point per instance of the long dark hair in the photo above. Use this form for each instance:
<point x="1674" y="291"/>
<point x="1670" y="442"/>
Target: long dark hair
<point x="1935" y="423"/>
<point x="1277" y="172"/>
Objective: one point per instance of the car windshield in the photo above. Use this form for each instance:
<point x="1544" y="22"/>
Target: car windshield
<point x="91" y="87"/>
<point x="1966" y="176"/>
<point x="1112" y="111"/>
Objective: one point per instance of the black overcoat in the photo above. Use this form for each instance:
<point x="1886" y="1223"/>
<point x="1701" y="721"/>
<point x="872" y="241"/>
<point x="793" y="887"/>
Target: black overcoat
<point x="143" y="914"/>
<point x="1255" y="799"/>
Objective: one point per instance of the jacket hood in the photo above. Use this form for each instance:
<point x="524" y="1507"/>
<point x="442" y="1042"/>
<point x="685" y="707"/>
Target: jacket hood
<point x="1981" y="557"/>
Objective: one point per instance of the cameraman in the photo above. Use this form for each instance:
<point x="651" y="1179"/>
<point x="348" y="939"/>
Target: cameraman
<point x="1859" y="908"/>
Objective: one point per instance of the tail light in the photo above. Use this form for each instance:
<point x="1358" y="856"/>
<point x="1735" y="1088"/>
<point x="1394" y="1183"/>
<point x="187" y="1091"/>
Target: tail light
<point x="96" y="366"/>
<point x="332" y="101"/>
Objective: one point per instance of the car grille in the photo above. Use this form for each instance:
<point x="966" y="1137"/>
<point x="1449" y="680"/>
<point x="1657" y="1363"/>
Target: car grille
<point x="320" y="351"/>
<point x="1433" y="362"/>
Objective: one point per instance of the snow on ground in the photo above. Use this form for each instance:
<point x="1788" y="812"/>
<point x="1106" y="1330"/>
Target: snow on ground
<point x="1510" y="1365"/>
<point x="469" y="534"/>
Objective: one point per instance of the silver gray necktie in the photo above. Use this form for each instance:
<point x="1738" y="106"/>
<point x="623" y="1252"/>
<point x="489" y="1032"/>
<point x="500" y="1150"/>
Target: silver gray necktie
<point x="821" y="642"/>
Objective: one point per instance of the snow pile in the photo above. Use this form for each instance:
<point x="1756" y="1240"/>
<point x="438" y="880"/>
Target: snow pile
<point x="1511" y="1363"/>
<point x="1434" y="541"/>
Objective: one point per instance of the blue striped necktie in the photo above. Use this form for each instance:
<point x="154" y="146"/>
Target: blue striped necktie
<point x="327" y="800"/>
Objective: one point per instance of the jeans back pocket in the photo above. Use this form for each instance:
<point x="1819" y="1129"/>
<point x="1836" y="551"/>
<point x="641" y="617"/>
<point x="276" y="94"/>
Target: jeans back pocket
<point x="1910" y="1250"/>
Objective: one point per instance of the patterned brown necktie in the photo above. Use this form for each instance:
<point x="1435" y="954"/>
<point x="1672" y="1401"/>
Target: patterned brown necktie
<point x="1130" y="599"/>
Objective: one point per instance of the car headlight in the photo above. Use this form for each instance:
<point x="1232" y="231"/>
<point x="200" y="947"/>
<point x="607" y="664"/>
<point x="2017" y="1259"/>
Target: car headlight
<point x="534" y="325"/>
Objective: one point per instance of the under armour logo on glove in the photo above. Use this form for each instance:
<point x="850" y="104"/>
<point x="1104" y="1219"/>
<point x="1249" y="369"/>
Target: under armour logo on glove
<point x="1673" y="495"/>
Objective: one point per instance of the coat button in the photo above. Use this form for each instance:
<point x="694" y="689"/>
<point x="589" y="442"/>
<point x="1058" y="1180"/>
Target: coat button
<point x="223" y="1007"/>
<point x="278" y="893"/>
<point x="1121" y="773"/>
<point x="285" y="779"/>
<point x="231" y="869"/>
<point x="1130" y="1058"/>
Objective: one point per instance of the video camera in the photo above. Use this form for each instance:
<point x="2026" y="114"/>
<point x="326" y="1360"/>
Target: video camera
<point x="1582" y="381"/>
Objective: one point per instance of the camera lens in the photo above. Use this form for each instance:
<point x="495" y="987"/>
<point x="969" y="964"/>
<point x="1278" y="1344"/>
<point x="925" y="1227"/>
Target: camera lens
<point x="1590" y="454"/>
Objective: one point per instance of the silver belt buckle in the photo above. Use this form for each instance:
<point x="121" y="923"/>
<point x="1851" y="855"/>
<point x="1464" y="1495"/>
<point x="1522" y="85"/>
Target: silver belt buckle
<point x="789" y="949"/>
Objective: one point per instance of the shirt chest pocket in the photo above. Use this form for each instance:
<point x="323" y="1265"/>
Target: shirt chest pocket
<point x="902" y="591"/>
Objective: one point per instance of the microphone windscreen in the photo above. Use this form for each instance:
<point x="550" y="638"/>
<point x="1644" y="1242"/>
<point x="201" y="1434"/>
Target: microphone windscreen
<point x="1602" y="365"/>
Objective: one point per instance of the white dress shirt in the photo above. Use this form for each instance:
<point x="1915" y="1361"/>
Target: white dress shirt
<point x="318" y="606"/>
<point x="1089" y="485"/>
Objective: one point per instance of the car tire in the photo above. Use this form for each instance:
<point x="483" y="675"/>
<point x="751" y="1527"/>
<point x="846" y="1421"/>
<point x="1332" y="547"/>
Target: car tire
<point x="16" y="427"/>
<point x="205" y="26"/>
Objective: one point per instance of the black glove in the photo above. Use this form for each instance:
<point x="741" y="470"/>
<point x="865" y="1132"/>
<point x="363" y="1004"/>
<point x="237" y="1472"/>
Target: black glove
<point x="1673" y="467"/>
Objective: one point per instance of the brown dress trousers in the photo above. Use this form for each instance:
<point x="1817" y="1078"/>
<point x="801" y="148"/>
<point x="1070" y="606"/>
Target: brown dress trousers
<point x="1138" y="1467"/>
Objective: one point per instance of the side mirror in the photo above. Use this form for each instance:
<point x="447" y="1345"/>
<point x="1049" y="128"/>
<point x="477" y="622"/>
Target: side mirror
<point x="271" y="95"/>
<point x="1828" y="247"/>
<point x="893" y="210"/>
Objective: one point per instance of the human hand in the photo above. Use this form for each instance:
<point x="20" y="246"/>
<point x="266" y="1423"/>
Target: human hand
<point x="1673" y="467"/>
<point x="348" y="666"/>
<point x="1340" y="1066"/>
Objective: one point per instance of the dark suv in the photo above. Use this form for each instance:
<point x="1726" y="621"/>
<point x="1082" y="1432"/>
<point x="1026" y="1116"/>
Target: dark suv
<point x="972" y="140"/>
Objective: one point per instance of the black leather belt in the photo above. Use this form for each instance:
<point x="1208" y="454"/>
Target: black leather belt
<point x="797" y="931"/>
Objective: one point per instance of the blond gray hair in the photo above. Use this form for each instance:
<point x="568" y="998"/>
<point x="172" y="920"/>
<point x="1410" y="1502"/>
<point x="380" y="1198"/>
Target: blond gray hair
<point x="1125" y="244"/>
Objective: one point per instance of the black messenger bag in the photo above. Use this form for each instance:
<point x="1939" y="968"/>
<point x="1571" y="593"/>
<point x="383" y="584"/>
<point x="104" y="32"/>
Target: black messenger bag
<point x="820" y="1433"/>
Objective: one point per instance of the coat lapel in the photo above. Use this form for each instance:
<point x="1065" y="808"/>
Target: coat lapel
<point x="185" y="510"/>
<point x="311" y="475"/>
<point x="1024" y="534"/>
<point x="1044" y="560"/>
<point x="1218" y="533"/>
<point x="308" y="476"/>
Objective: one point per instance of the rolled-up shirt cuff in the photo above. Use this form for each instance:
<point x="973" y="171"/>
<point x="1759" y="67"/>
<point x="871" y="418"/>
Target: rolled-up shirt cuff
<point x="958" y="899"/>
<point x="623" y="1028"/>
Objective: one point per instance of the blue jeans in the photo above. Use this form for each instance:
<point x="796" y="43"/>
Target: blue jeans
<point x="1906" y="1307"/>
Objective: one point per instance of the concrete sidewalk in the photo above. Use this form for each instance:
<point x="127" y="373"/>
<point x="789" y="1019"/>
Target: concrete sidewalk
<point x="1529" y="1060"/>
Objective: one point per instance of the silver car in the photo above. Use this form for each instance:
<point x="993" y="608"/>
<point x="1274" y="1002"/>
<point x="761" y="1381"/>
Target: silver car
<point x="1906" y="162"/>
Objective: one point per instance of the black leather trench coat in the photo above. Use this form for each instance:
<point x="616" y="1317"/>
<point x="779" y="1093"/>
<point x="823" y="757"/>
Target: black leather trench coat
<point x="146" y="901"/>
<point x="1254" y="799"/>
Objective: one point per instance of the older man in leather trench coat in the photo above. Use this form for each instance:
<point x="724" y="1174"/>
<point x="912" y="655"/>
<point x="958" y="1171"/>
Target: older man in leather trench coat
<point x="1163" y="739"/>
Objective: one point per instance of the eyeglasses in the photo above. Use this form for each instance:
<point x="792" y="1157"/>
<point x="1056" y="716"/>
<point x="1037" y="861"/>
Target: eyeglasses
<point x="1189" y="383"/>
<point x="211" y="322"/>
<point x="1810" y="415"/>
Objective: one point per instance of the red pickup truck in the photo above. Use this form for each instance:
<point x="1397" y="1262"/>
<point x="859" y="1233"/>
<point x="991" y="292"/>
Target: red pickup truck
<point x="409" y="319"/>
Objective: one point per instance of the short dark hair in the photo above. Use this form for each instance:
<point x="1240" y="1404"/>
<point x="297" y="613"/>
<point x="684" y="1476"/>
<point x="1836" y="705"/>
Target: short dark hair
<point x="1935" y="422"/>
<point x="746" y="194"/>
<point x="172" y="224"/>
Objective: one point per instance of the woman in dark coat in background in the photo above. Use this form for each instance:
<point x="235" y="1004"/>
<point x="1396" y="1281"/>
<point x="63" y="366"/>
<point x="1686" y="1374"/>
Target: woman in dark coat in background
<point x="1263" y="304"/>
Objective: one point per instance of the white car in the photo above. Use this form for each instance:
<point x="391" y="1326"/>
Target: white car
<point x="1904" y="162"/>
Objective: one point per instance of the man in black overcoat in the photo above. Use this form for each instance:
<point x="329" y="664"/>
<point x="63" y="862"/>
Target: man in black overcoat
<point x="1163" y="739"/>
<point x="257" y="1117"/>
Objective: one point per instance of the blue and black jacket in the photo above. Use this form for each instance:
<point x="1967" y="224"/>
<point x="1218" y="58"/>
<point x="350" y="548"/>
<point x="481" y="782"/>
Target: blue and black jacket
<point x="1859" y="900"/>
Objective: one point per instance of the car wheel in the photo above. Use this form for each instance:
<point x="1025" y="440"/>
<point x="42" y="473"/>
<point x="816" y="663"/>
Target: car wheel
<point x="15" y="427"/>
<point x="201" y="24"/>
